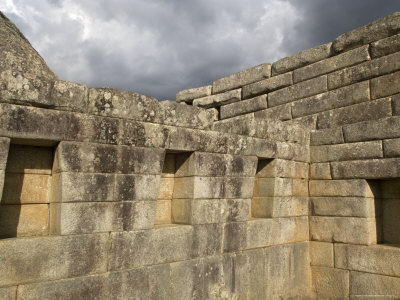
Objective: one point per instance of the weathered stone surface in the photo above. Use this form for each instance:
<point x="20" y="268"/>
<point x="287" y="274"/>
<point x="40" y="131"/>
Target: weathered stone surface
<point x="8" y="293"/>
<point x="343" y="230"/>
<point x="371" y="169"/>
<point x="163" y="213"/>
<point x="69" y="96"/>
<point x="4" y="146"/>
<point x="320" y="171"/>
<point x="355" y="113"/>
<point x="276" y="207"/>
<point x="321" y="254"/>
<point x="330" y="283"/>
<point x="364" y="71"/>
<point x="373" y="285"/>
<point x="385" y="85"/>
<point x="374" y="31"/>
<point x="345" y="96"/>
<point x="391" y="147"/>
<point x="267" y="85"/>
<point x="326" y="136"/>
<point x="301" y="59"/>
<point x="219" y="99"/>
<point x="379" y="259"/>
<point x="190" y="94"/>
<point x="328" y="65"/>
<point x="341" y="152"/>
<point x="279" y="187"/>
<point x="241" y="78"/>
<point x="51" y="258"/>
<point x="297" y="91"/>
<point x="344" y="206"/>
<point x="328" y="188"/>
<point x="281" y="113"/>
<point x="396" y="105"/>
<point x="214" y="112"/>
<point x="136" y="187"/>
<point x="282" y="168"/>
<point x="243" y="107"/>
<point x="262" y="148"/>
<point x="385" y="46"/>
<point x="307" y="123"/>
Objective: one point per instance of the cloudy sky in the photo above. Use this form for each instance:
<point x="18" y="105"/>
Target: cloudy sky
<point x="158" y="47"/>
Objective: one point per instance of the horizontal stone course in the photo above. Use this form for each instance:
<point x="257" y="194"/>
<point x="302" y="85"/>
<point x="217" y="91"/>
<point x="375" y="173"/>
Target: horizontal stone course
<point x="391" y="147"/>
<point x="282" y="168"/>
<point x="385" y="85"/>
<point x="372" y="285"/>
<point x="328" y="188"/>
<point x="320" y="171"/>
<point x="344" y="206"/>
<point x="326" y="136"/>
<point x="243" y="107"/>
<point x="190" y="94"/>
<point x="281" y="113"/>
<point x="219" y="99"/>
<point x="330" y="283"/>
<point x="385" y="46"/>
<point x="321" y="254"/>
<point x="370" y="169"/>
<point x="267" y="85"/>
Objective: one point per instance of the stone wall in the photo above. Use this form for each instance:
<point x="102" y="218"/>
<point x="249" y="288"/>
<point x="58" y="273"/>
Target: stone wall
<point x="282" y="183"/>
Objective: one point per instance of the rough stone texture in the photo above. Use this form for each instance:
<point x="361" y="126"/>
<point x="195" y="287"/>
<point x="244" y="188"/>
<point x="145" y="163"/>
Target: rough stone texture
<point x="385" y="46"/>
<point x="327" y="188"/>
<point x="243" y="107"/>
<point x="267" y="85"/>
<point x="281" y="113"/>
<point x="219" y="99"/>
<point x="242" y="78"/>
<point x="385" y="85"/>
<point x="370" y="169"/>
<point x="321" y="254"/>
<point x="320" y="171"/>
<point x="391" y="147"/>
<point x="396" y="105"/>
<point x="328" y="65"/>
<point x="190" y="94"/>
<point x="372" y="285"/>
<point x="330" y="283"/>
<point x="344" y="206"/>
<point x="301" y="59"/>
<point x="326" y="136"/>
<point x="374" y="31"/>
<point x="282" y="168"/>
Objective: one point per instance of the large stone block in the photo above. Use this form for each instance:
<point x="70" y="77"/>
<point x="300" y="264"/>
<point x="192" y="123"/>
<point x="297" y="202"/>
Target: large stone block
<point x="385" y="85"/>
<point x="341" y="97"/>
<point x="371" y="169"/>
<point x="4" y="146"/>
<point x="297" y="91"/>
<point x="50" y="258"/>
<point x="129" y="250"/>
<point x="242" y="78"/>
<point x="320" y="171"/>
<point x="386" y="128"/>
<point x="207" y="240"/>
<point x="301" y="59"/>
<point x="326" y="136"/>
<point x="391" y="147"/>
<point x="192" y="286"/>
<point x="327" y="188"/>
<point x="366" y="111"/>
<point x="321" y="254"/>
<point x="333" y="63"/>
<point x="219" y="99"/>
<point x="142" y="134"/>
<point x="243" y="107"/>
<point x="341" y="152"/>
<point x="190" y="94"/>
<point x="364" y="71"/>
<point x="377" y="259"/>
<point x="280" y="112"/>
<point x="267" y="85"/>
<point x="344" y="206"/>
<point x="136" y="187"/>
<point x="282" y="168"/>
<point x="273" y="187"/>
<point x="374" y="31"/>
<point x="8" y="293"/>
<point x="276" y="207"/>
<point x="330" y="283"/>
<point x="385" y="46"/>
<point x="343" y="230"/>
<point x="374" y="286"/>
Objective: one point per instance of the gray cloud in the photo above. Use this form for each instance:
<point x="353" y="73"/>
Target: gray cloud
<point x="160" y="47"/>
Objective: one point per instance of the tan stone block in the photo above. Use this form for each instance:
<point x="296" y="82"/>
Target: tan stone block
<point x="372" y="169"/>
<point x="391" y="147"/>
<point x="181" y="211"/>
<point x="29" y="159"/>
<point x="24" y="220"/>
<point x="269" y="187"/>
<point x="163" y="212"/>
<point x="385" y="46"/>
<point x="282" y="168"/>
<point x="366" y="207"/>
<point x="207" y="240"/>
<point x="289" y="207"/>
<point x="379" y="259"/>
<point x="328" y="188"/>
<point x="370" y="285"/>
<point x="8" y="293"/>
<point x="344" y="230"/>
<point x="330" y="283"/>
<point x="262" y="207"/>
<point x="26" y="188"/>
<point x="326" y="136"/>
<point x="320" y="171"/>
<point x="386" y="85"/>
<point x="190" y="94"/>
<point x="184" y="187"/>
<point x="321" y="254"/>
<point x="166" y="188"/>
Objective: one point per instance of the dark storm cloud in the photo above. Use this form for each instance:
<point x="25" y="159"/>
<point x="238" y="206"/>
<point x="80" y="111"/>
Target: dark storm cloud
<point x="160" y="47"/>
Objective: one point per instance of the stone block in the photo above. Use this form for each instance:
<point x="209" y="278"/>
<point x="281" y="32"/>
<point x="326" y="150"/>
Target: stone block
<point x="192" y="286"/>
<point x="341" y="97"/>
<point x="301" y="59"/>
<point x="4" y="146"/>
<point x="374" y="286"/>
<point x="326" y="136"/>
<point x="329" y="188"/>
<point x="307" y="123"/>
<point x="166" y="188"/>
<point x="297" y="91"/>
<point x="243" y="107"/>
<point x="141" y="134"/>
<point x="136" y="187"/>
<point x="391" y="147"/>
<point x="235" y="236"/>
<point x="50" y="258"/>
<point x="190" y="94"/>
<point x="219" y="99"/>
<point x="8" y="293"/>
<point x="267" y="85"/>
<point x="121" y="104"/>
<point x="385" y="46"/>
<point x="292" y="151"/>
<point x="280" y="112"/>
<point x="163" y="213"/>
<point x="140" y="160"/>
<point x="262" y="207"/>
<point x="26" y="188"/>
<point x="29" y="160"/>
<point x="273" y="187"/>
<point x="129" y="250"/>
<point x="65" y="95"/>
<point x="371" y="32"/>
<point x="385" y="85"/>
<point x="321" y="254"/>
<point x="343" y="230"/>
<point x="364" y="71"/>
<point x="341" y="152"/>
<point x="24" y="220"/>
<point x="276" y="207"/>
<point x="371" y="169"/>
<point x="330" y="283"/>
<point x="386" y="128"/>
<point x="215" y="113"/>
<point x="320" y="171"/>
<point x="396" y="105"/>
<point x="207" y="240"/>
<point x="241" y="78"/>
<point x="282" y="168"/>
<point x="365" y="207"/>
<point x="333" y="63"/>
<point x="379" y="259"/>
<point x="366" y="111"/>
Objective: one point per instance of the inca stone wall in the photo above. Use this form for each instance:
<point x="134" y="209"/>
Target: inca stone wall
<point x="277" y="182"/>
